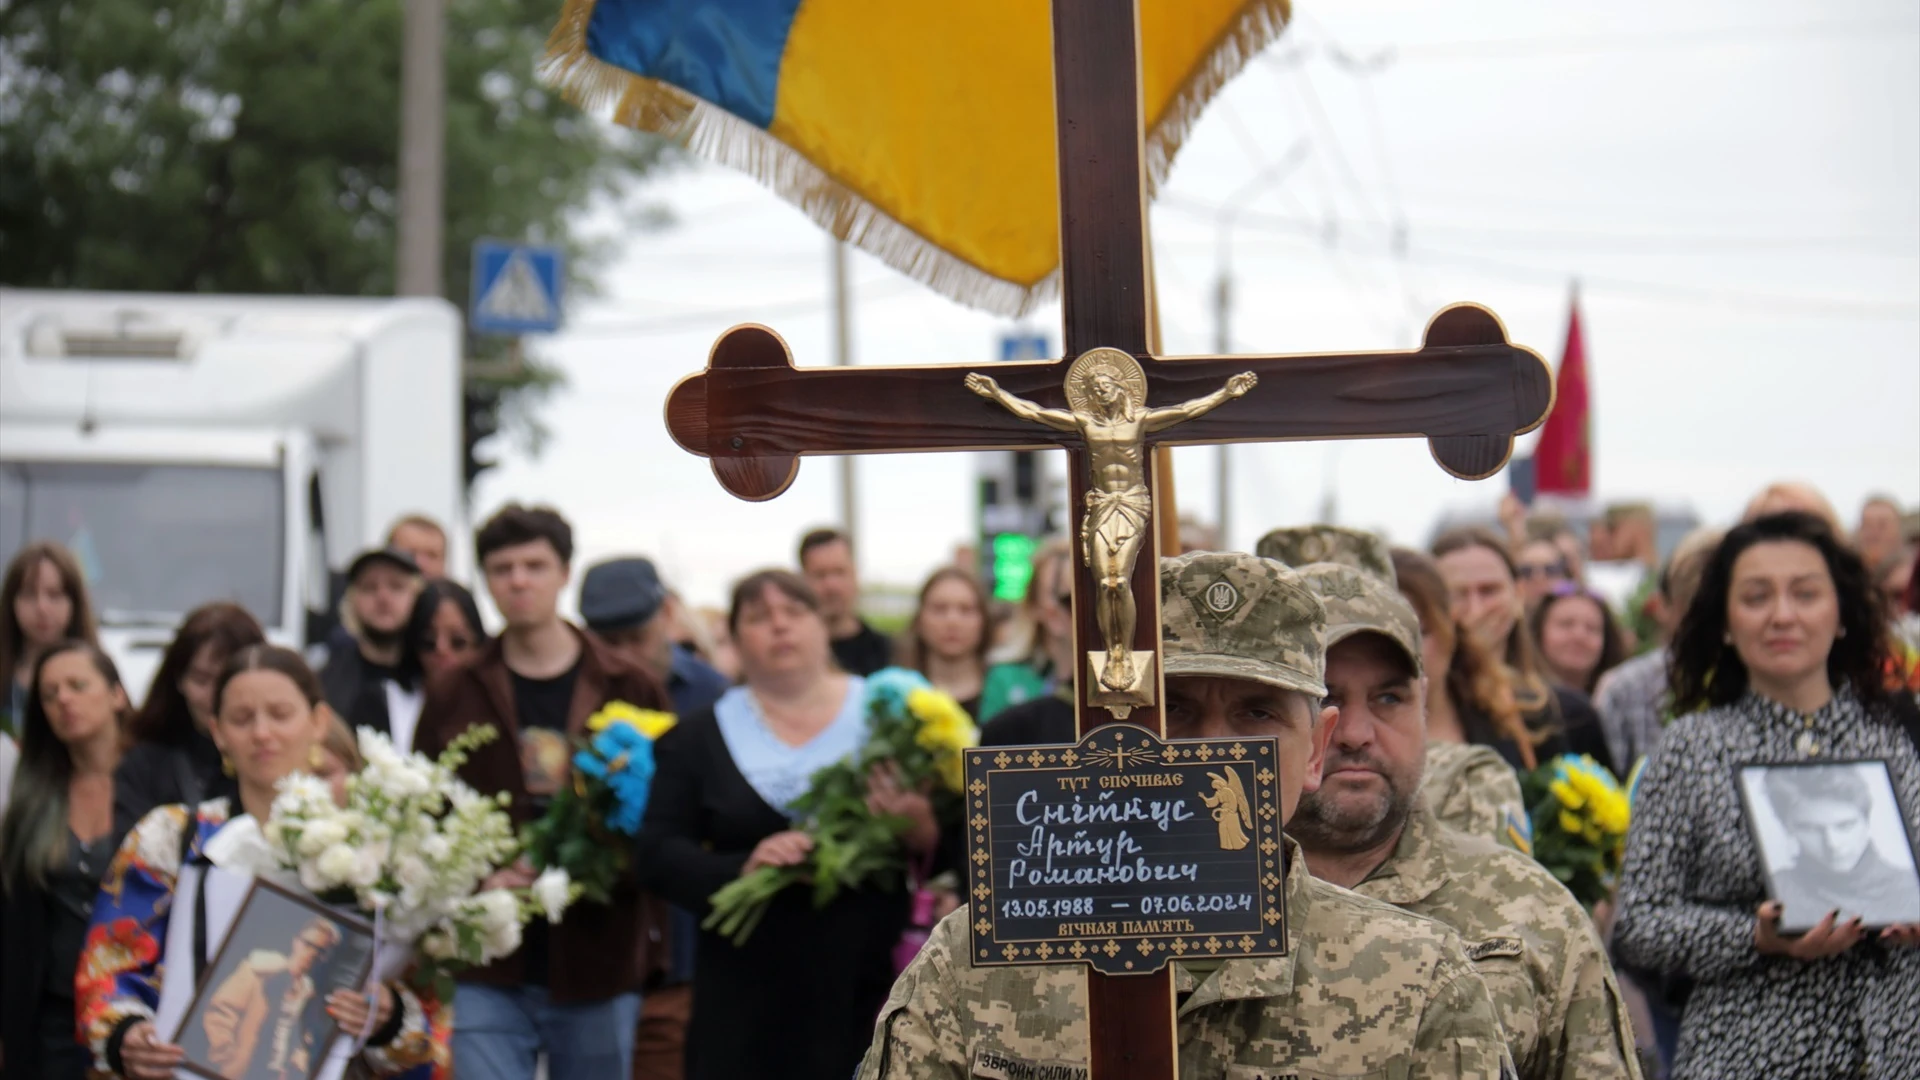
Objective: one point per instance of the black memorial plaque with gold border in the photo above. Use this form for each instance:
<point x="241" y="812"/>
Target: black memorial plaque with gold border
<point x="1124" y="851"/>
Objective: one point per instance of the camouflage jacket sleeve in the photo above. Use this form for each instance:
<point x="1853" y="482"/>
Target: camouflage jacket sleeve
<point x="1473" y="790"/>
<point x="918" y="1035"/>
<point x="1460" y="1034"/>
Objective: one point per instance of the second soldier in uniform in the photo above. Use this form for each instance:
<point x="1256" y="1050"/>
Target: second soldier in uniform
<point x="1366" y="828"/>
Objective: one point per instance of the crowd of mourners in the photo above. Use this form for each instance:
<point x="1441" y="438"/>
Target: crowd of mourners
<point x="1410" y="692"/>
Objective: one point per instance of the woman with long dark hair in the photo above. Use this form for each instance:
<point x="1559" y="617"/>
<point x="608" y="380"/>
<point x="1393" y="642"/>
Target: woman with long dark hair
<point x="1779" y="659"/>
<point x="56" y="839"/>
<point x="1470" y="695"/>
<point x="43" y="601"/>
<point x="947" y="639"/>
<point x="173" y="759"/>
<point x="442" y="632"/>
<point x="1483" y="582"/>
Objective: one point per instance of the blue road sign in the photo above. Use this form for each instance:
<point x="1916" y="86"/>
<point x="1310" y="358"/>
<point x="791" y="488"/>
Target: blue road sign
<point x="516" y="288"/>
<point x="1024" y="345"/>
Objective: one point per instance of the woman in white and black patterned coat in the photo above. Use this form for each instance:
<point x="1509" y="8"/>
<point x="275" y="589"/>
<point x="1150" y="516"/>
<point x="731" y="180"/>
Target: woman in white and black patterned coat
<point x="1781" y="653"/>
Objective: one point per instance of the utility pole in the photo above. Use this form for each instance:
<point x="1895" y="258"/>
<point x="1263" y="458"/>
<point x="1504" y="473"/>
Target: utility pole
<point x="423" y="138"/>
<point x="843" y="357"/>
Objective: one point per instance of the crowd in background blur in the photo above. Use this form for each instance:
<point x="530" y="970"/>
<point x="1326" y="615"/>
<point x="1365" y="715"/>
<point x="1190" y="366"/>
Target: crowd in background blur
<point x="1523" y="654"/>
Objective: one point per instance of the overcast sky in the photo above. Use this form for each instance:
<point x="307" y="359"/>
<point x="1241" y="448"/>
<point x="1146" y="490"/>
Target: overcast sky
<point x="1735" y="185"/>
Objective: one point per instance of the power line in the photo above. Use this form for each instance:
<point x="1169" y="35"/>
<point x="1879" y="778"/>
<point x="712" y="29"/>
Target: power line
<point x="1644" y="241"/>
<point x="884" y="289"/>
<point x="1542" y="47"/>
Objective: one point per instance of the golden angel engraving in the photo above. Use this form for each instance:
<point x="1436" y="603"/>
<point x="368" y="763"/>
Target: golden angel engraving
<point x="1231" y="811"/>
<point x="1107" y="394"/>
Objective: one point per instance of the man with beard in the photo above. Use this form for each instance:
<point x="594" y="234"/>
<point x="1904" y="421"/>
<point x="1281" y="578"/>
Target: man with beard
<point x="381" y="586"/>
<point x="1469" y="787"/>
<point x="1366" y="829"/>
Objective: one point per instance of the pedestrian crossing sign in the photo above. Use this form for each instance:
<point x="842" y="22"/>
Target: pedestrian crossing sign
<point x="516" y="288"/>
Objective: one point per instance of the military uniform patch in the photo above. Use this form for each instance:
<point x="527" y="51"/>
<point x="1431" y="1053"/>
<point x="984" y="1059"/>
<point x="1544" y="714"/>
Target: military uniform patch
<point x="998" y="1065"/>
<point x="1223" y="597"/>
<point x="1494" y="947"/>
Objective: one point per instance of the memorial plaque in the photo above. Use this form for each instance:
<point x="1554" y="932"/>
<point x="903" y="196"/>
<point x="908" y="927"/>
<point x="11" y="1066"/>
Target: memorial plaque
<point x="1125" y="851"/>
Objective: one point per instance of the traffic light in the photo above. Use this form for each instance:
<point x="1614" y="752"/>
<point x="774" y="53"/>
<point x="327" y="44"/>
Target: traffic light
<point x="1012" y="555"/>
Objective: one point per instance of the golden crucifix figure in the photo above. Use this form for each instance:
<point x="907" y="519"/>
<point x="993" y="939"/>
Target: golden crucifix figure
<point x="1107" y="395"/>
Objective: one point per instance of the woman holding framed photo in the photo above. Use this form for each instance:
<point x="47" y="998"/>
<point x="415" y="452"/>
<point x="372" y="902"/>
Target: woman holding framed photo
<point x="269" y="720"/>
<point x="1779" y="662"/>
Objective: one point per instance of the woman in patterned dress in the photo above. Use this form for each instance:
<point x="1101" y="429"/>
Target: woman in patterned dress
<point x="269" y="721"/>
<point x="1781" y="659"/>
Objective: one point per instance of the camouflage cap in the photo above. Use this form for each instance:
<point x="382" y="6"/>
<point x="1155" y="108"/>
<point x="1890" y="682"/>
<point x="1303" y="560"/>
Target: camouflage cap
<point x="1301" y="545"/>
<point x="1358" y="602"/>
<point x="1241" y="617"/>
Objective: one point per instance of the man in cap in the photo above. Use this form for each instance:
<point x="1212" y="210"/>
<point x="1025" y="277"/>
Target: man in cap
<point x="1468" y="787"/>
<point x="625" y="603"/>
<point x="381" y="586"/>
<point x="1363" y="827"/>
<point x="1363" y="989"/>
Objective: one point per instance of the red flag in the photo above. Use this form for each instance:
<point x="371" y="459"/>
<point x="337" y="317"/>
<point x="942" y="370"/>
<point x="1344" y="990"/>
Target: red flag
<point x="1563" y="462"/>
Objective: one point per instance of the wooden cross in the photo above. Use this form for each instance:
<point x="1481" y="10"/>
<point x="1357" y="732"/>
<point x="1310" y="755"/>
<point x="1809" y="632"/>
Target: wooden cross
<point x="1466" y="390"/>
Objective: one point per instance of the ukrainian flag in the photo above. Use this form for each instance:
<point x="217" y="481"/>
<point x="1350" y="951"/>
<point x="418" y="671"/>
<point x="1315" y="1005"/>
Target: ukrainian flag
<point x="921" y="130"/>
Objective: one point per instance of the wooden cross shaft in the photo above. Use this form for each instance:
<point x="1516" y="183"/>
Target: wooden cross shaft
<point x="1466" y="390"/>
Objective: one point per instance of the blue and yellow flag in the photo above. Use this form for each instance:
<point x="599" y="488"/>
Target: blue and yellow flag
<point x="921" y="130"/>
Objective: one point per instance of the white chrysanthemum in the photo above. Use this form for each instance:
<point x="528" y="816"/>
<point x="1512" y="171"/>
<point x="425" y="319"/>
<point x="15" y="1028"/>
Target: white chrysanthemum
<point x="439" y="944"/>
<point x="553" y="889"/>
<point x="320" y="835"/>
<point x="335" y="866"/>
<point x="412" y="873"/>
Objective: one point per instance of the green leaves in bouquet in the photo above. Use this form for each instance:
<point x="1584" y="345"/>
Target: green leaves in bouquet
<point x="569" y="836"/>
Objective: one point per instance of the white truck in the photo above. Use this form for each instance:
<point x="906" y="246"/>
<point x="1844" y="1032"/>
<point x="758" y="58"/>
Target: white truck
<point x="194" y="448"/>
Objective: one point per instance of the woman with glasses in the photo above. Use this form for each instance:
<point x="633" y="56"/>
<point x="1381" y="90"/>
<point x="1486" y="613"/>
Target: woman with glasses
<point x="1539" y="565"/>
<point x="442" y="633"/>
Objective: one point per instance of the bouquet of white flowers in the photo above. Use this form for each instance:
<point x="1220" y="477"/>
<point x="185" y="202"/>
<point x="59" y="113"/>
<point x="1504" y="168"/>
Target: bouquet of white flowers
<point x="411" y="847"/>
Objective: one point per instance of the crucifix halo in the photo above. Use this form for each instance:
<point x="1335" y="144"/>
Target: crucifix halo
<point x="1119" y="366"/>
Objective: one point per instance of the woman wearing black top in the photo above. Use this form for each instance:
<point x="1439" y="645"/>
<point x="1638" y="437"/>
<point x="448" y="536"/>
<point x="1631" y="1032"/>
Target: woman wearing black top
<point x="442" y="633"/>
<point x="56" y="840"/>
<point x="797" y="1001"/>
<point x="172" y="759"/>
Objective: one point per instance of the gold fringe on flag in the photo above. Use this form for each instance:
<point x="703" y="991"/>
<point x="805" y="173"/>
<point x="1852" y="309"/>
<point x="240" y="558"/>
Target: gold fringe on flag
<point x="649" y="105"/>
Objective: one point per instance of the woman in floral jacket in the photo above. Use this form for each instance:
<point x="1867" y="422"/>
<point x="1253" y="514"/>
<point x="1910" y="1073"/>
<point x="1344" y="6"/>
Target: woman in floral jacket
<point x="270" y="721"/>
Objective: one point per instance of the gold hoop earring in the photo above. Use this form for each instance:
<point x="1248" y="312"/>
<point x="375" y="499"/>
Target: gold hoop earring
<point x="314" y="759"/>
<point x="226" y="765"/>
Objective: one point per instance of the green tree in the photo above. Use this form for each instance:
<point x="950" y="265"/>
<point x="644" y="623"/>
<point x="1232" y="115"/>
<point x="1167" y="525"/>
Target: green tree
<point x="252" y="146"/>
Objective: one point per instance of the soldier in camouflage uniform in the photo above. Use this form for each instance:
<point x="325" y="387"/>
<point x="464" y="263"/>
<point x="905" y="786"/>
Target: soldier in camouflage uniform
<point x="1364" y="990"/>
<point x="1469" y="788"/>
<point x="1366" y="828"/>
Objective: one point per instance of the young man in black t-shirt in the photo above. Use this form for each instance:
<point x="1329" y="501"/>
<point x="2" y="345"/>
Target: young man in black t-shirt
<point x="826" y="561"/>
<point x="571" y="989"/>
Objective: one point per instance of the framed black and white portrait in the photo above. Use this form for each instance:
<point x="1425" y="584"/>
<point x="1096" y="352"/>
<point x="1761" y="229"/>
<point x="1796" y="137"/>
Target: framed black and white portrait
<point x="259" y="1012"/>
<point x="1832" y="838"/>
